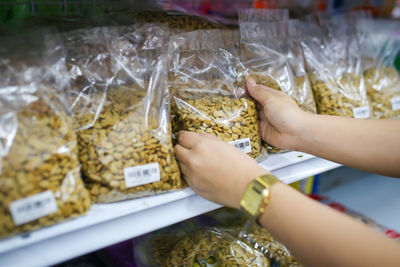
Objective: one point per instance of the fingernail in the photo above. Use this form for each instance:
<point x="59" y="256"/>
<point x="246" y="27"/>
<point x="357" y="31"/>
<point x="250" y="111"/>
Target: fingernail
<point x="251" y="81"/>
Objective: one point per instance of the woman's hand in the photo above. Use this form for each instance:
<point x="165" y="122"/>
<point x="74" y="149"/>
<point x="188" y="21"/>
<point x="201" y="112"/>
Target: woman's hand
<point x="281" y="120"/>
<point x="214" y="169"/>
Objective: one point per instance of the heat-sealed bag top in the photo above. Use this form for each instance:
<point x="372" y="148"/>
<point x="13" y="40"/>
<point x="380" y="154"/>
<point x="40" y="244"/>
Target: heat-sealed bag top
<point x="206" y="80"/>
<point x="120" y="102"/>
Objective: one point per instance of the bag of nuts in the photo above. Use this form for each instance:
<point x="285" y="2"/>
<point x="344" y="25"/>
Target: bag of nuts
<point x="379" y="50"/>
<point x="121" y="104"/>
<point x="333" y="62"/>
<point x="208" y="247"/>
<point x="40" y="180"/>
<point x="206" y="82"/>
<point x="273" y="54"/>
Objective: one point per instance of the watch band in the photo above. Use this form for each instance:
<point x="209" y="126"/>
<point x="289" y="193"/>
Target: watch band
<point x="257" y="195"/>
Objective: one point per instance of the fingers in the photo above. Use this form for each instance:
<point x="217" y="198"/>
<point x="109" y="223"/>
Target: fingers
<point x="188" y="139"/>
<point x="182" y="154"/>
<point x="259" y="92"/>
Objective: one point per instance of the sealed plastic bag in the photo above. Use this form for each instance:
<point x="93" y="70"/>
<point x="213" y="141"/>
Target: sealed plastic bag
<point x="273" y="54"/>
<point x="333" y="60"/>
<point x="40" y="180"/>
<point x="379" y="50"/>
<point x="206" y="82"/>
<point x="211" y="247"/>
<point x="261" y="240"/>
<point x="262" y="15"/>
<point x="121" y="105"/>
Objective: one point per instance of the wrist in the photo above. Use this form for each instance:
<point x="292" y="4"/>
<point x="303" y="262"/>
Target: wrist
<point x="250" y="175"/>
<point x="301" y="134"/>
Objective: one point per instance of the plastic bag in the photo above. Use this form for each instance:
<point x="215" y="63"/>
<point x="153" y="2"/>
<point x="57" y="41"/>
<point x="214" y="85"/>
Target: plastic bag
<point x="211" y="247"/>
<point x="40" y="180"/>
<point x="333" y="61"/>
<point x="206" y="82"/>
<point x="274" y="56"/>
<point x="260" y="15"/>
<point x="261" y="240"/>
<point x="379" y="50"/>
<point x="121" y="105"/>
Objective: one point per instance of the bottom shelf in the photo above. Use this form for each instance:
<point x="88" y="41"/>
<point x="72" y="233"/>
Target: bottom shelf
<point x="107" y="224"/>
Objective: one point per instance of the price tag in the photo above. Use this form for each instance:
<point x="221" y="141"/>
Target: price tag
<point x="243" y="145"/>
<point x="34" y="207"/>
<point x="361" y="112"/>
<point x="395" y="102"/>
<point x="143" y="174"/>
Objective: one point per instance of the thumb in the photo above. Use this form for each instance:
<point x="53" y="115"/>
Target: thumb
<point x="260" y="93"/>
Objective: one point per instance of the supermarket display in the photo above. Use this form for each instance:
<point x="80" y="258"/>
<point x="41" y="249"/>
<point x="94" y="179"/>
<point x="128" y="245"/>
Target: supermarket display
<point x="206" y="82"/>
<point x="92" y="117"/>
<point x="379" y="51"/>
<point x="40" y="180"/>
<point x="333" y="60"/>
<point x="120" y="101"/>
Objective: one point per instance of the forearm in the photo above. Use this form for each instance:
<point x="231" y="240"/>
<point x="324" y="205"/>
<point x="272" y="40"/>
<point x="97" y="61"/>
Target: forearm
<point x="320" y="236"/>
<point x="370" y="145"/>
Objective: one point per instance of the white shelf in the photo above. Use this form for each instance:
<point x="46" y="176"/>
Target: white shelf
<point x="107" y="224"/>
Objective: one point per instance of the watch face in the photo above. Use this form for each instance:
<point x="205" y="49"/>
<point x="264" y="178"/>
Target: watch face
<point x="252" y="200"/>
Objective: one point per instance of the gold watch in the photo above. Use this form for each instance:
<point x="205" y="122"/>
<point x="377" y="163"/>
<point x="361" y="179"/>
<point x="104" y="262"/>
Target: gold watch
<point x="256" y="197"/>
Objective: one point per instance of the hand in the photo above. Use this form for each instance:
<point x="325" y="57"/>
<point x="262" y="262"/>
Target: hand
<point x="281" y="120"/>
<point x="214" y="169"/>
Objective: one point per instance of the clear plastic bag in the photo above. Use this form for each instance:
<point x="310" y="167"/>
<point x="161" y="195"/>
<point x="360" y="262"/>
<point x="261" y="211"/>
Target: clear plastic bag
<point x="333" y="60"/>
<point x="121" y="111"/>
<point x="273" y="54"/>
<point x="206" y="82"/>
<point x="261" y="240"/>
<point x="379" y="50"/>
<point x="40" y="180"/>
<point x="260" y="15"/>
<point x="211" y="247"/>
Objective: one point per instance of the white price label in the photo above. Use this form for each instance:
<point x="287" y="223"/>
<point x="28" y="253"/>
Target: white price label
<point x="395" y="102"/>
<point x="143" y="174"/>
<point x="34" y="207"/>
<point x="361" y="112"/>
<point x="243" y="145"/>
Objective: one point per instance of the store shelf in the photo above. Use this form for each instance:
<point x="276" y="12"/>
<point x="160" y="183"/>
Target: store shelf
<point x="107" y="224"/>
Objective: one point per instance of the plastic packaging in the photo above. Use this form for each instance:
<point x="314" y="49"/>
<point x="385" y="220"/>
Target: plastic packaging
<point x="221" y="238"/>
<point x="261" y="240"/>
<point x="262" y="15"/>
<point x="40" y="180"/>
<point x="379" y="50"/>
<point x="333" y="60"/>
<point x="206" y="82"/>
<point x="212" y="246"/>
<point x="274" y="56"/>
<point x="121" y="104"/>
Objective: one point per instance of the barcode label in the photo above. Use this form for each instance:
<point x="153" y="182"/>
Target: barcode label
<point x="361" y="112"/>
<point x="395" y="102"/>
<point x="143" y="174"/>
<point x="34" y="207"/>
<point x="243" y="145"/>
